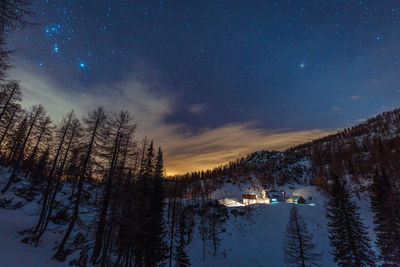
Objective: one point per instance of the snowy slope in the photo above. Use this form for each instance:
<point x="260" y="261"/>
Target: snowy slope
<point x="12" y="222"/>
<point x="15" y="253"/>
<point x="258" y="239"/>
<point x="253" y="239"/>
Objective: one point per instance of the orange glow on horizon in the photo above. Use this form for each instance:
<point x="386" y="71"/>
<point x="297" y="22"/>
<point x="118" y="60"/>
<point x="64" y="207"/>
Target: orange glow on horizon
<point x="217" y="147"/>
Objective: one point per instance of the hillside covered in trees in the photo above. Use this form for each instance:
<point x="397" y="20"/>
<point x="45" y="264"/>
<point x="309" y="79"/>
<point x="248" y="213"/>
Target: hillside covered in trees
<point x="356" y="167"/>
<point x="86" y="191"/>
<point x="354" y="153"/>
<point x="95" y="194"/>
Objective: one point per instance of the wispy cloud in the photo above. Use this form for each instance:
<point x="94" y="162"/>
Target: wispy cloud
<point x="213" y="147"/>
<point x="147" y="106"/>
<point x="184" y="150"/>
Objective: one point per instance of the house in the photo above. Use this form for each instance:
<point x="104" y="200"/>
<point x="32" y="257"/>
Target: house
<point x="296" y="200"/>
<point x="273" y="196"/>
<point x="249" y="199"/>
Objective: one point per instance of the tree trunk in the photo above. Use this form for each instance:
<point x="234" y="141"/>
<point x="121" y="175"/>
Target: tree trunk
<point x="55" y="190"/>
<point x="7" y="127"/>
<point x="60" y="251"/>
<point x="59" y="254"/>
<point x="171" y="241"/>
<point x="8" y="102"/>
<point x="106" y="199"/>
<point x="50" y="178"/>
<point x="20" y="155"/>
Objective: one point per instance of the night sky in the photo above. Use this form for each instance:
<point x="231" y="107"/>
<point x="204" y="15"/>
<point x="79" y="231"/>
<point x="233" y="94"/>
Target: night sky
<point x="214" y="80"/>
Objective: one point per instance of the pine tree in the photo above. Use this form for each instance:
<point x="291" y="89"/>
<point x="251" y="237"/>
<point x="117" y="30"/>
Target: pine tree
<point x="10" y="96"/>
<point x="43" y="135"/>
<point x="117" y="130"/>
<point x="41" y="167"/>
<point x="385" y="203"/>
<point x="347" y="233"/>
<point x="49" y="178"/>
<point x="155" y="248"/>
<point x="127" y="234"/>
<point x="172" y="222"/>
<point x="138" y="210"/>
<point x="299" y="249"/>
<point x="216" y="215"/>
<point x="9" y="122"/>
<point x="16" y="139"/>
<point x="181" y="258"/>
<point x="16" y="149"/>
<point x="36" y="112"/>
<point x="94" y="122"/>
<point x="75" y="128"/>
<point x="13" y="16"/>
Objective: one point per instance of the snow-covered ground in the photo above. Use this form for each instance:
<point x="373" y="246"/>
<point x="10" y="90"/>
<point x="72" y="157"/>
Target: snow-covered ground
<point x="12" y="222"/>
<point x="258" y="239"/>
<point x="253" y="239"/>
<point x="13" y="252"/>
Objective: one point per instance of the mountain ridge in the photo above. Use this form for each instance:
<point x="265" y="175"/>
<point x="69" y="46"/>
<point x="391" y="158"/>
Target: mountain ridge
<point x="354" y="152"/>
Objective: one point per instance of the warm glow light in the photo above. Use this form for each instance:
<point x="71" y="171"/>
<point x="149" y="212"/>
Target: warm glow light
<point x="218" y="146"/>
<point x="184" y="151"/>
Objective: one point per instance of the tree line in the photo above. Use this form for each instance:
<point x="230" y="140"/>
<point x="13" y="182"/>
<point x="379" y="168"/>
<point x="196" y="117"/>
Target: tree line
<point x="121" y="211"/>
<point x="138" y="218"/>
<point x="92" y="176"/>
<point x="102" y="151"/>
<point x="348" y="235"/>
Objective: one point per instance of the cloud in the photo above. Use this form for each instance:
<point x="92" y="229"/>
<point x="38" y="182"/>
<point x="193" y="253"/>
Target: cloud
<point x="197" y="108"/>
<point x="148" y="107"/>
<point x="184" y="150"/>
<point x="213" y="147"/>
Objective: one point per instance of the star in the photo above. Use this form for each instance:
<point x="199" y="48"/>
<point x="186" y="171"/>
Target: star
<point x="55" y="48"/>
<point x="234" y="47"/>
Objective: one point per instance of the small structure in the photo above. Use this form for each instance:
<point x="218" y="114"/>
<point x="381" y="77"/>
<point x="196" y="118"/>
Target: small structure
<point x="249" y="199"/>
<point x="273" y="196"/>
<point x="296" y="200"/>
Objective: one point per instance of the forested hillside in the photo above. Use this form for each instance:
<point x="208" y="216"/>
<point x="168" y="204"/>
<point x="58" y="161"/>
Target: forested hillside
<point x="85" y="190"/>
<point x="124" y="175"/>
<point x="98" y="195"/>
<point x="354" y="152"/>
<point x="358" y="151"/>
<point x="355" y="167"/>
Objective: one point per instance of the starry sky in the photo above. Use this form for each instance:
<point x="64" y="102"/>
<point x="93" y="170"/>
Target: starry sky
<point x="214" y="80"/>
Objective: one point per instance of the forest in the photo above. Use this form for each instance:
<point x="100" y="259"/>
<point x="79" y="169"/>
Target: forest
<point x="104" y="191"/>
